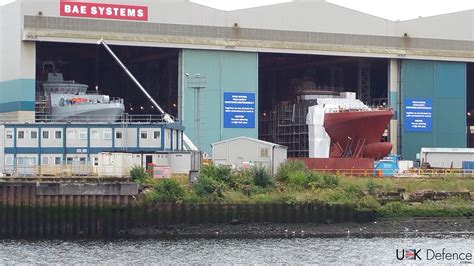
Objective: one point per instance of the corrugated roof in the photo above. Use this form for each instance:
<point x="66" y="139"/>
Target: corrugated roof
<point x="250" y="139"/>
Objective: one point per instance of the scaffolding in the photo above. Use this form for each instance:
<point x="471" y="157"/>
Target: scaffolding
<point x="286" y="125"/>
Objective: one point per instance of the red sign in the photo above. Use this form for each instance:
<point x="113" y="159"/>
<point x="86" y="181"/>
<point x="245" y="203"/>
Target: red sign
<point x="99" y="10"/>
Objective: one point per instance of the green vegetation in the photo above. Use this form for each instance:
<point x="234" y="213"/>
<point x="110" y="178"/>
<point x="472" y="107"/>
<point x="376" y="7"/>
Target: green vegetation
<point x="139" y="175"/>
<point x="293" y="183"/>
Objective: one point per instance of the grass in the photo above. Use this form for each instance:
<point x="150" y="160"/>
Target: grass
<point x="295" y="184"/>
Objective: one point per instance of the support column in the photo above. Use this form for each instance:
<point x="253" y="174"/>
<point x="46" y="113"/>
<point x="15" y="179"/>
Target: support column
<point x="394" y="89"/>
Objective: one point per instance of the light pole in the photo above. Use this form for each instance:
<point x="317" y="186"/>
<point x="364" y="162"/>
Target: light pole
<point x="196" y="82"/>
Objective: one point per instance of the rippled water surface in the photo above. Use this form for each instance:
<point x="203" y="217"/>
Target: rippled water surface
<point x="262" y="251"/>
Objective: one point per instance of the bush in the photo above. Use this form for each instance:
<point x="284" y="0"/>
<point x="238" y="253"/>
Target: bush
<point x="368" y="203"/>
<point x="221" y="173"/>
<point x="205" y="186"/>
<point x="261" y="177"/>
<point x="297" y="178"/>
<point x="371" y="186"/>
<point x="168" y="191"/>
<point x="287" y="168"/>
<point x="139" y="175"/>
<point x="329" y="181"/>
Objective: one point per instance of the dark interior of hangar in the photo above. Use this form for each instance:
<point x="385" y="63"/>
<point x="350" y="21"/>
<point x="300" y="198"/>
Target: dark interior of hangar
<point x="470" y="104"/>
<point x="285" y="77"/>
<point x="155" y="68"/>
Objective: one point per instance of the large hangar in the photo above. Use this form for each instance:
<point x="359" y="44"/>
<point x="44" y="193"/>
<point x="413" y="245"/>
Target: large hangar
<point x="197" y="62"/>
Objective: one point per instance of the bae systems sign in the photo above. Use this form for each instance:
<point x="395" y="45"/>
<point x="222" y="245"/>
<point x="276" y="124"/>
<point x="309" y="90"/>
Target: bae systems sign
<point x="98" y="10"/>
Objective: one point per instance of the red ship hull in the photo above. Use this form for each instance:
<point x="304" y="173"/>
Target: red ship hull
<point x="358" y="133"/>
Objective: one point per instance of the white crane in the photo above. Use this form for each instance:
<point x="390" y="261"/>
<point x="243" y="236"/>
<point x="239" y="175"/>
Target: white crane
<point x="166" y="116"/>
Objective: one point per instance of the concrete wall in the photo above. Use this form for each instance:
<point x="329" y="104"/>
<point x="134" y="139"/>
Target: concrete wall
<point x="445" y="84"/>
<point x="224" y="72"/>
<point x="17" y="67"/>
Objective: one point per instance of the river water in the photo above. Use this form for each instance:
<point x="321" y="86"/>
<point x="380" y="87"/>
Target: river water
<point x="225" y="251"/>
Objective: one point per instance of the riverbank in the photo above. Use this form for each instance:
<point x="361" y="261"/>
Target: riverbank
<point x="399" y="227"/>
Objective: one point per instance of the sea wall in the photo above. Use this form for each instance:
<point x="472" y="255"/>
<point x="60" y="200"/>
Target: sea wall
<point x="30" y="210"/>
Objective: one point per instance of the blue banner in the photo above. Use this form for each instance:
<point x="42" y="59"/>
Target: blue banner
<point x="418" y="114"/>
<point x="239" y="110"/>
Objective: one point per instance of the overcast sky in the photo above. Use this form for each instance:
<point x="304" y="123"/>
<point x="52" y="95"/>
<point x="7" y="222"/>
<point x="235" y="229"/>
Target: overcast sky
<point x="389" y="9"/>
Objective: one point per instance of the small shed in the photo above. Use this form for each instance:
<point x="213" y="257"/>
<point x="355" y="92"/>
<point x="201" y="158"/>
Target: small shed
<point x="244" y="152"/>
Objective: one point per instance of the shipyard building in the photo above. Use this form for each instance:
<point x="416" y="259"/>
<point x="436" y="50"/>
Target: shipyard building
<point x="238" y="73"/>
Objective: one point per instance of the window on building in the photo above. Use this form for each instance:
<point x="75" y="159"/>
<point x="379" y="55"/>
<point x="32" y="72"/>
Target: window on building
<point x="69" y="160"/>
<point x="94" y="134"/>
<point x="118" y="135"/>
<point x="9" y="134"/>
<point x="156" y="134"/>
<point x="46" y="134"/>
<point x="70" y="134"/>
<point x="34" y="134"/>
<point x="264" y="152"/>
<point x="58" y="134"/>
<point x="8" y="160"/>
<point x="20" y="161"/>
<point x="144" y="135"/>
<point x="21" y="134"/>
<point x="82" y="160"/>
<point x="107" y="135"/>
<point x="45" y="161"/>
<point x="83" y="135"/>
<point x="58" y="160"/>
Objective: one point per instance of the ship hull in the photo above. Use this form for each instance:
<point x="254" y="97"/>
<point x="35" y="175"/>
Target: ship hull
<point x="87" y="113"/>
<point x="358" y="133"/>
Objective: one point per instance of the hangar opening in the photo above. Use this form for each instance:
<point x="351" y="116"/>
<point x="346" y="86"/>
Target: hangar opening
<point x="90" y="64"/>
<point x="288" y="81"/>
<point x="470" y="104"/>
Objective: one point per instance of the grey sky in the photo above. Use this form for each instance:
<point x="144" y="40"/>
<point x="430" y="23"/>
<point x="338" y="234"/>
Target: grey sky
<point x="389" y="9"/>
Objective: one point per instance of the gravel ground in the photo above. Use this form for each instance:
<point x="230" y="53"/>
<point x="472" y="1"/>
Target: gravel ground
<point x="406" y="227"/>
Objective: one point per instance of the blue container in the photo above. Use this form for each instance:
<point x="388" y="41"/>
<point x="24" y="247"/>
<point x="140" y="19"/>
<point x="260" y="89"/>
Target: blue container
<point x="386" y="167"/>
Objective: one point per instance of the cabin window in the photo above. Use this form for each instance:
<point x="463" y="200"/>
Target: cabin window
<point x="264" y="152"/>
<point x="57" y="160"/>
<point x="95" y="161"/>
<point x="107" y="135"/>
<point x="45" y="134"/>
<point x="8" y="160"/>
<point x="118" y="135"/>
<point x="58" y="134"/>
<point x="82" y="160"/>
<point x="69" y="160"/>
<point x="156" y="134"/>
<point x="95" y="134"/>
<point x="34" y="134"/>
<point x="70" y="134"/>
<point x="21" y="134"/>
<point x="83" y="135"/>
<point x="9" y="134"/>
<point x="144" y="135"/>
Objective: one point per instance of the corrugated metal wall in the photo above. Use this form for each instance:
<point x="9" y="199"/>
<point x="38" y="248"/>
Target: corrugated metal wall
<point x="445" y="84"/>
<point x="224" y="72"/>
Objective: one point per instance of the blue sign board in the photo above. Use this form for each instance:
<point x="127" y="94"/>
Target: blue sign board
<point x="239" y="110"/>
<point x="418" y="114"/>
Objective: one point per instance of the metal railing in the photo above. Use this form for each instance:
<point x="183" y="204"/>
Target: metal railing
<point x="47" y="118"/>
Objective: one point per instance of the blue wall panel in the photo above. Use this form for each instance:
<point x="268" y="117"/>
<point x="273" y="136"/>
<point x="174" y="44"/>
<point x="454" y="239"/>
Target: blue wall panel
<point x="445" y="84"/>
<point x="17" y="95"/>
<point x="224" y="72"/>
